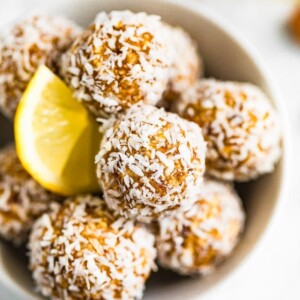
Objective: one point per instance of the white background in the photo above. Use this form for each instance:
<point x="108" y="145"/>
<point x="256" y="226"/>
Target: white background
<point x="273" y="272"/>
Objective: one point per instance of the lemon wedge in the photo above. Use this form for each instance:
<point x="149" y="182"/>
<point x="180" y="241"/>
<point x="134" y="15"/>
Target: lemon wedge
<point x="56" y="137"/>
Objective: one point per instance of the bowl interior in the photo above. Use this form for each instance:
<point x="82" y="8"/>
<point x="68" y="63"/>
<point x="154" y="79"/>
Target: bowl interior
<point x="225" y="58"/>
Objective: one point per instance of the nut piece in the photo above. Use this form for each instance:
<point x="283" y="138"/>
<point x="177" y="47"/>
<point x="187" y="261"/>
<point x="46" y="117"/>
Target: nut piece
<point x="239" y="124"/>
<point x="22" y="200"/>
<point x="196" y="241"/>
<point x="83" y="251"/>
<point x="150" y="162"/>
<point x="119" y="61"/>
<point x="27" y="45"/>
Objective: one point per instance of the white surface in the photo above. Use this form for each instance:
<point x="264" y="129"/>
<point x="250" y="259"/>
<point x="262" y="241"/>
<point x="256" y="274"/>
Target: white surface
<point x="273" y="273"/>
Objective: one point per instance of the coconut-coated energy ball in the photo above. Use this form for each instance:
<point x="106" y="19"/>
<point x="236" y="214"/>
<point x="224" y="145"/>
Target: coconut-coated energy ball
<point x="196" y="241"/>
<point x="186" y="63"/>
<point x="151" y="162"/>
<point x="33" y="42"/>
<point x="83" y="251"/>
<point x="120" y="60"/>
<point x="22" y="200"/>
<point x="239" y="124"/>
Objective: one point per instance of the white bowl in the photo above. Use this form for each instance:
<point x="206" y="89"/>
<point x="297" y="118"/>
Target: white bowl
<point x="226" y="56"/>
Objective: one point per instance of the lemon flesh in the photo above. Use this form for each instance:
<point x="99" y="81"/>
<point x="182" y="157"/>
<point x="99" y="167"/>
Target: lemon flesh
<point x="56" y="137"/>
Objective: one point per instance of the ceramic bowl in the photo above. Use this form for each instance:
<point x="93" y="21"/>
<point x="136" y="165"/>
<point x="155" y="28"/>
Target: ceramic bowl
<point x="226" y="56"/>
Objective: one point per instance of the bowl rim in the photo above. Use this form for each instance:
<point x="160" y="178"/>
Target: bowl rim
<point x="226" y="28"/>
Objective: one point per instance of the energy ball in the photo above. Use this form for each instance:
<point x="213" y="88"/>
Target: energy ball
<point x="24" y="47"/>
<point x="83" y="251"/>
<point x="186" y="66"/>
<point x="22" y="200"/>
<point x="196" y="241"/>
<point x="151" y="162"/>
<point x="239" y="124"/>
<point x="119" y="61"/>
